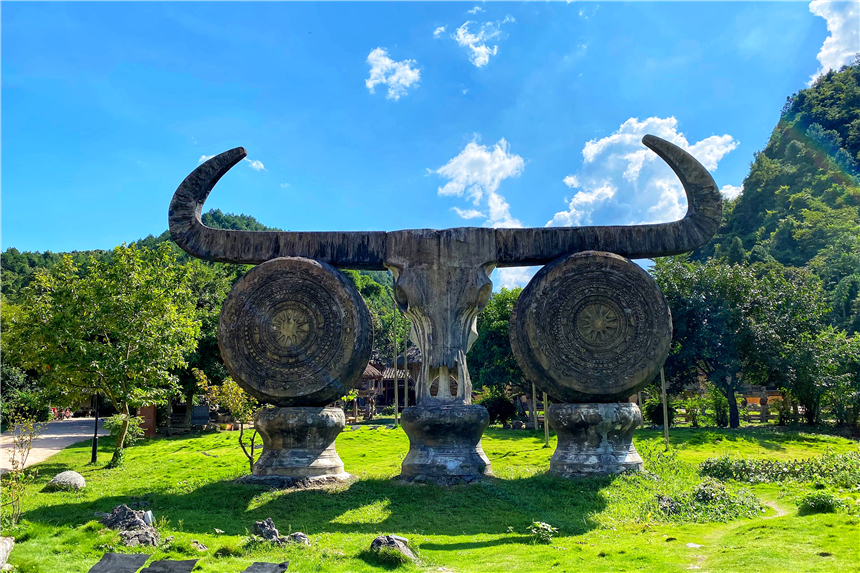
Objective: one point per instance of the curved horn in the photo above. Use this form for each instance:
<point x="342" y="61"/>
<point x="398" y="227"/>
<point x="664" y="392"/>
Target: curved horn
<point x="539" y="246"/>
<point x="342" y="249"/>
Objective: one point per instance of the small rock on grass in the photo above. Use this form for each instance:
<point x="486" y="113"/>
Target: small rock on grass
<point x="6" y="545"/>
<point x="66" y="481"/>
<point x="392" y="542"/>
<point x="299" y="537"/>
<point x="133" y="529"/>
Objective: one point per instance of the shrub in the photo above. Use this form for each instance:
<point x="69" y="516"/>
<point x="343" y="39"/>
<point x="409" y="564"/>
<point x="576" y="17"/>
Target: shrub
<point x="834" y="469"/>
<point x="542" y="532"/>
<point x="134" y="432"/>
<point x="501" y="409"/>
<point x="654" y="411"/>
<point x="820" y="502"/>
<point x="708" y="501"/>
<point x="388" y="411"/>
<point x="720" y="405"/>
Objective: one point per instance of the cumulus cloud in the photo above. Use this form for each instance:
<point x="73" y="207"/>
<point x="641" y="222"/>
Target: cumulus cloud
<point x="843" y="23"/>
<point x="205" y="158"/>
<point x="731" y="192"/>
<point x="284" y="185"/>
<point x="398" y="76"/>
<point x="476" y="43"/>
<point x="437" y="33"/>
<point x="475" y="10"/>
<point x="476" y="173"/>
<point x="512" y="277"/>
<point x="255" y="165"/>
<point x="622" y="182"/>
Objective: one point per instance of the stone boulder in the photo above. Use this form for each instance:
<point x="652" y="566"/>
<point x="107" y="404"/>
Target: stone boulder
<point x="6" y="545"/>
<point x="392" y="542"/>
<point x="267" y="530"/>
<point x="132" y="526"/>
<point x="300" y="538"/>
<point x="66" y="481"/>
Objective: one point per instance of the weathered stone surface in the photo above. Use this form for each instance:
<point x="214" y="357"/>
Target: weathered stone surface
<point x="66" y="480"/>
<point x="185" y="566"/>
<point x="132" y="527"/>
<point x="267" y="530"/>
<point x="445" y="444"/>
<point x="300" y="538"/>
<point x="591" y="327"/>
<point x="295" y="332"/>
<point x="392" y="542"/>
<point x="594" y="439"/>
<point x="119" y="563"/>
<point x="298" y="443"/>
<point x="6" y="546"/>
<point x="258" y="567"/>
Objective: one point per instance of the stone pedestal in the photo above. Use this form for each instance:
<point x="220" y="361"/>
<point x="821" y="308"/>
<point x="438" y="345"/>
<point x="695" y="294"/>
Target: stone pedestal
<point x="594" y="439"/>
<point x="445" y="444"/>
<point x="298" y="446"/>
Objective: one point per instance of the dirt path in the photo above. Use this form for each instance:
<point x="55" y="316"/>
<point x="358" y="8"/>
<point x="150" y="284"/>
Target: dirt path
<point x="57" y="435"/>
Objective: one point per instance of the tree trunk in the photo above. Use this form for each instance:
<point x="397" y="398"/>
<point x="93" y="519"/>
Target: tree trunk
<point x="250" y="456"/>
<point x="120" y="438"/>
<point x="734" y="416"/>
<point x="189" y="408"/>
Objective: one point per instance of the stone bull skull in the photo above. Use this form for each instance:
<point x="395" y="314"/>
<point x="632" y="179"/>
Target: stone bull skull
<point x="441" y="278"/>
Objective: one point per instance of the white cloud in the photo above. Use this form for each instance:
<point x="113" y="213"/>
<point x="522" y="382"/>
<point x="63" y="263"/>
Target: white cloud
<point x="843" y="23"/>
<point x="731" y="192"/>
<point x="255" y="165"/>
<point x="477" y="173"/>
<point x="477" y="43"/>
<point x="475" y="10"/>
<point x="398" y="76"/>
<point x="511" y="277"/>
<point x="438" y="31"/>
<point x="205" y="158"/>
<point x="469" y="213"/>
<point x="622" y="182"/>
<point x="284" y="185"/>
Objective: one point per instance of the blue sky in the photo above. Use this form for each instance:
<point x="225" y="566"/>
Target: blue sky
<point x="384" y="116"/>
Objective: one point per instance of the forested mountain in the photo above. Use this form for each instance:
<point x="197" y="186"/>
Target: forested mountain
<point x="800" y="204"/>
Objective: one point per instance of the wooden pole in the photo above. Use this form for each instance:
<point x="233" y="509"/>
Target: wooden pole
<point x="641" y="411"/>
<point x="545" y="420"/>
<point x="396" y="392"/>
<point x="534" y="404"/>
<point x="405" y="373"/>
<point x="665" y="409"/>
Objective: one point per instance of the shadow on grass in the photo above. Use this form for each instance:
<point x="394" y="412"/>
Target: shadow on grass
<point x="366" y="506"/>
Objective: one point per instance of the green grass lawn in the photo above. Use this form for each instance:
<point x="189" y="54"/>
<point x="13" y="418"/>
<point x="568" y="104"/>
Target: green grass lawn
<point x="605" y="524"/>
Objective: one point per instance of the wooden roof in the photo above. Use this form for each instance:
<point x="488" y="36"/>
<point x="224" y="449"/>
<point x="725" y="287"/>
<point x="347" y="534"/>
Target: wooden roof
<point x="371" y="373"/>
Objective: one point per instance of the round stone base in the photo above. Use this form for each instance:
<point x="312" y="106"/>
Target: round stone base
<point x="298" y="443"/>
<point x="594" y="439"/>
<point x="445" y="444"/>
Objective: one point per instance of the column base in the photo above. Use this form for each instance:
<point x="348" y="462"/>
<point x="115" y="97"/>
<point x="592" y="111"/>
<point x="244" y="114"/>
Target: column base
<point x="298" y="446"/>
<point x="445" y="444"/>
<point x="594" y="439"/>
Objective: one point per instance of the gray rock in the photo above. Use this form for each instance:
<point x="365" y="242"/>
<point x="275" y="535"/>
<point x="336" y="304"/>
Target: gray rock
<point x="267" y="530"/>
<point x="258" y="567"/>
<point x="392" y="542"/>
<point x="133" y="529"/>
<point x="299" y="537"/>
<point x="119" y="563"/>
<point x="66" y="480"/>
<point x="518" y="425"/>
<point x="6" y="545"/>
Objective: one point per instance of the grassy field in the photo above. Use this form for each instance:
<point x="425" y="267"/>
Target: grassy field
<point x="605" y="524"/>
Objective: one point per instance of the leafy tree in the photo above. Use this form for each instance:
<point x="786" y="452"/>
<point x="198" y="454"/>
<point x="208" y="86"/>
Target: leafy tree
<point x="118" y="327"/>
<point x="241" y="405"/>
<point x="491" y="362"/>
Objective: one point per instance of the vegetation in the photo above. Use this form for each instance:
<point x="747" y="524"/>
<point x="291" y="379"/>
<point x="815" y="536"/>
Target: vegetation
<point x="23" y="429"/>
<point x="475" y="528"/>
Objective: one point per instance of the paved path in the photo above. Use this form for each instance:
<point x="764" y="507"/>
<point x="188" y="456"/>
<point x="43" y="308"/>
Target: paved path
<point x="56" y="436"/>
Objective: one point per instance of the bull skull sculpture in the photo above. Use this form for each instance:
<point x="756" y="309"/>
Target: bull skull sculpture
<point x="441" y="278"/>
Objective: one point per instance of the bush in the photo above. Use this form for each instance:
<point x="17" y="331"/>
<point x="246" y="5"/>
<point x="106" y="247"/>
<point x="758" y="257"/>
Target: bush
<point x="388" y="411"/>
<point x="835" y="469"/>
<point x="654" y="411"/>
<point x="134" y="432"/>
<point x="820" y="502"/>
<point x="542" y="532"/>
<point x="720" y="405"/>
<point x="501" y="409"/>
<point x="708" y="501"/>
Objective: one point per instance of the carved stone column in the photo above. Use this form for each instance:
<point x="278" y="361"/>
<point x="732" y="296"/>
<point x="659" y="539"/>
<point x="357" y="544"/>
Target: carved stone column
<point x="441" y="282"/>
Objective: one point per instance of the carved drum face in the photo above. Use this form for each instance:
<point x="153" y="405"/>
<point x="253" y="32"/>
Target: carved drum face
<point x="591" y="327"/>
<point x="295" y="332"/>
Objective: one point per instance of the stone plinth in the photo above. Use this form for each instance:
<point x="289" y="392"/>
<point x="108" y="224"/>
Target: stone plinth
<point x="594" y="439"/>
<point x="445" y="444"/>
<point x="298" y="445"/>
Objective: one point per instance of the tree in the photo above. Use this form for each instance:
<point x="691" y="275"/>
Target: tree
<point x="241" y="405"/>
<point x="117" y="326"/>
<point x="491" y="362"/>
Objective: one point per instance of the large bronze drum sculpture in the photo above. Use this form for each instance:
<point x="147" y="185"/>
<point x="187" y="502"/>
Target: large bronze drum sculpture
<point x="590" y="328"/>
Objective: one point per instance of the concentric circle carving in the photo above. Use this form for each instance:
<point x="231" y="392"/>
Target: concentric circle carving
<point x="591" y="327"/>
<point x="295" y="332"/>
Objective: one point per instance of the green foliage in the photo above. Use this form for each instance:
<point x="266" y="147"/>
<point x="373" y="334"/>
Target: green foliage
<point x="820" y="502"/>
<point x="500" y="408"/>
<point x="133" y="432"/>
<point x="542" y="532"/>
<point x="241" y="405"/>
<point x="831" y="468"/>
<point x="709" y="501"/>
<point x="652" y="411"/>
<point x="491" y="361"/>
